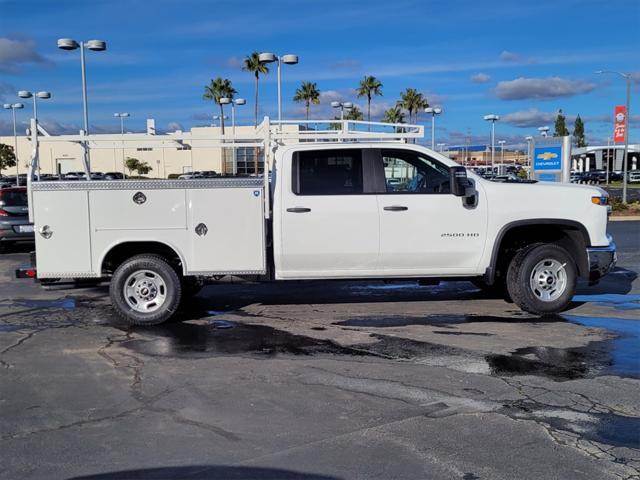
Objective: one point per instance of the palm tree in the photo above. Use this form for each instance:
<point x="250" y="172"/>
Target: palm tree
<point x="217" y="89"/>
<point x="394" y="115"/>
<point x="369" y="87"/>
<point x="412" y="101"/>
<point x="354" y="113"/>
<point x="308" y="93"/>
<point x="253" y="64"/>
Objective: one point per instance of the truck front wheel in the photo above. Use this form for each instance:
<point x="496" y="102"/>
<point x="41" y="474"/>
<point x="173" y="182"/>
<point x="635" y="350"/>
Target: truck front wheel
<point x="145" y="290"/>
<point x="541" y="279"/>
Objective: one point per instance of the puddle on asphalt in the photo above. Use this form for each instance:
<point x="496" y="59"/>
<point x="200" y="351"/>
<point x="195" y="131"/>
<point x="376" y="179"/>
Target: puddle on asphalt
<point x="441" y="320"/>
<point x="65" y="303"/>
<point x="556" y="363"/>
<point x="624" y="349"/>
<point x="195" y="340"/>
<point x="607" y="428"/>
<point x="616" y="301"/>
<point x="10" y="328"/>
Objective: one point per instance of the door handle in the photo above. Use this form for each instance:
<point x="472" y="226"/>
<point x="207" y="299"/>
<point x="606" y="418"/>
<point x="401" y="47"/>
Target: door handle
<point x="396" y="208"/>
<point x="298" y="210"/>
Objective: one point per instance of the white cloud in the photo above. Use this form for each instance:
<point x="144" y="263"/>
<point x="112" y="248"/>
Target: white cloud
<point x="173" y="126"/>
<point x="509" y="57"/>
<point x="480" y="78"/>
<point x="532" y="118"/>
<point x="541" y="88"/>
<point x="15" y="53"/>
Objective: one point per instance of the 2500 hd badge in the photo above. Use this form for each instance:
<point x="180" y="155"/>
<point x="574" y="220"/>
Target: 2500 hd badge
<point x="459" y="235"/>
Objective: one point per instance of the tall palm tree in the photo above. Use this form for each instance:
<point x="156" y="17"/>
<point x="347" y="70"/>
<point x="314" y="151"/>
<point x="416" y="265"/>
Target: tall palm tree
<point x="412" y="101"/>
<point x="253" y="64"/>
<point x="369" y="87"/>
<point x="217" y="89"/>
<point x="308" y="93"/>
<point x="354" y="114"/>
<point x="394" y="115"/>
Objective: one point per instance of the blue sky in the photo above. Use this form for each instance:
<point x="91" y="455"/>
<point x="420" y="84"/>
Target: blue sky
<point x="521" y="59"/>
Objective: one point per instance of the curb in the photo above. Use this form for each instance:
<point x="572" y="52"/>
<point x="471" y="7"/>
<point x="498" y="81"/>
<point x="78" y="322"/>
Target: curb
<point x="624" y="218"/>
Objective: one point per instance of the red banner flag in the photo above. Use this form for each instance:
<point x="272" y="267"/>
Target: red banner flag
<point x="619" y="132"/>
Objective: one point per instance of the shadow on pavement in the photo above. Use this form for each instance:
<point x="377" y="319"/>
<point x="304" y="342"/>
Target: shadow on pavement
<point x="206" y="472"/>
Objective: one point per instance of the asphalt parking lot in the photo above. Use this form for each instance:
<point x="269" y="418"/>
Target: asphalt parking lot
<point x="331" y="380"/>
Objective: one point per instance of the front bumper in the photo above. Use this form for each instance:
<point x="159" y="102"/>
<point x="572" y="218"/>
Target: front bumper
<point x="601" y="259"/>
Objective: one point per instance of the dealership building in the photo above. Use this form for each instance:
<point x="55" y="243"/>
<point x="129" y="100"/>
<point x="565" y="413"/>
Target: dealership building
<point x="165" y="157"/>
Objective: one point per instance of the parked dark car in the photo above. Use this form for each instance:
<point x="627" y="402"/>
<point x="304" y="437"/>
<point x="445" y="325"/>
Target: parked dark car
<point x="594" y="176"/>
<point x="14" y="217"/>
<point x="114" y="176"/>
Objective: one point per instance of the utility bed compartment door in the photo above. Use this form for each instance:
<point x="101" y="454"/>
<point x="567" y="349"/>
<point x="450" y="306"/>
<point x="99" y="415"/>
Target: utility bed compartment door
<point x="143" y="209"/>
<point x="64" y="250"/>
<point x="226" y="228"/>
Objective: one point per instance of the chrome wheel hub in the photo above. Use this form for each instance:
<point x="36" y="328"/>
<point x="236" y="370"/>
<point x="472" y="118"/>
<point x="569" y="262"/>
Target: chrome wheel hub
<point x="145" y="291"/>
<point x="548" y="280"/>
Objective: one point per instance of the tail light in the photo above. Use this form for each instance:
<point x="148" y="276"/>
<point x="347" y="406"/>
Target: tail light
<point x="3" y="213"/>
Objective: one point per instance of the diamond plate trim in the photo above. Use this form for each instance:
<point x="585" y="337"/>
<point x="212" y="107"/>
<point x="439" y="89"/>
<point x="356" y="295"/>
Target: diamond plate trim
<point x="149" y="184"/>
<point x="68" y="275"/>
<point x="229" y="272"/>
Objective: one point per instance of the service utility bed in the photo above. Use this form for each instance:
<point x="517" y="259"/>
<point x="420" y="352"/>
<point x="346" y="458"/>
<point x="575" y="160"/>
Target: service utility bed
<point x="79" y="222"/>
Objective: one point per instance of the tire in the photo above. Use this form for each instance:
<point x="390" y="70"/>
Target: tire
<point x="145" y="290"/>
<point x="541" y="279"/>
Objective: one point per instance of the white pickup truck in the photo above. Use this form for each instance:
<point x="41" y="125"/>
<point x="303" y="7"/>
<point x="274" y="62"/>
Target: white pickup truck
<point x="346" y="204"/>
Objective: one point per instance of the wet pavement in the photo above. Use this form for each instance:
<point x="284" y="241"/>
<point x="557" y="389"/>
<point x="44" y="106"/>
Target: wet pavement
<point x="336" y="380"/>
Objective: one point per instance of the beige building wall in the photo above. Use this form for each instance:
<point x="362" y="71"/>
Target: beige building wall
<point x="173" y="159"/>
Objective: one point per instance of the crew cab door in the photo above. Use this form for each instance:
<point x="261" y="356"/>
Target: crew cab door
<point x="424" y="229"/>
<point x="328" y="218"/>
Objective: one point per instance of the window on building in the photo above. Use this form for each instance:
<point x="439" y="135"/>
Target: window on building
<point x="328" y="172"/>
<point x="247" y="159"/>
<point x="411" y="172"/>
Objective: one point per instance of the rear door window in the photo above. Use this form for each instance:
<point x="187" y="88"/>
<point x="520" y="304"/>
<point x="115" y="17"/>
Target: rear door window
<point x="13" y="198"/>
<point x="328" y="172"/>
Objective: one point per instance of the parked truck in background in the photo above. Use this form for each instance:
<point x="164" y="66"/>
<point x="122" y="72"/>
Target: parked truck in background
<point x="336" y="204"/>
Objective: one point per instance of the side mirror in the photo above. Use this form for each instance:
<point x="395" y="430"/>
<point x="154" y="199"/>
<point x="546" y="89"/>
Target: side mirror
<point x="458" y="180"/>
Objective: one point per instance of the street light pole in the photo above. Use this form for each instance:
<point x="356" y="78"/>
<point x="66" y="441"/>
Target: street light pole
<point x="433" y="111"/>
<point x="14" y="107"/>
<point x="529" y="140"/>
<point x="493" y="119"/>
<point x="289" y="59"/>
<point x="234" y="102"/>
<point x="97" y="46"/>
<point x="34" y="124"/>
<point x="122" y="117"/>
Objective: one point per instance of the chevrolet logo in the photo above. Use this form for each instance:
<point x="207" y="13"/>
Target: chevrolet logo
<point x="547" y="155"/>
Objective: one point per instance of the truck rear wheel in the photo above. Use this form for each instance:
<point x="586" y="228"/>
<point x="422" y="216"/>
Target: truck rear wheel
<point x="145" y="290"/>
<point x="541" y="279"/>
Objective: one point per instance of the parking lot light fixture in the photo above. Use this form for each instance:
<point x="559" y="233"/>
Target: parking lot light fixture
<point x="288" y="59"/>
<point x="433" y="111"/>
<point x="96" y="46"/>
<point x="234" y="102"/>
<point x="493" y="118"/>
<point x="35" y="96"/>
<point x="122" y="116"/>
<point x="13" y="107"/>
<point x="342" y="106"/>
<point x="501" y="143"/>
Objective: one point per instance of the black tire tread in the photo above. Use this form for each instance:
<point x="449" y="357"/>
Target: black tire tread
<point x="135" y="318"/>
<point x="518" y="289"/>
